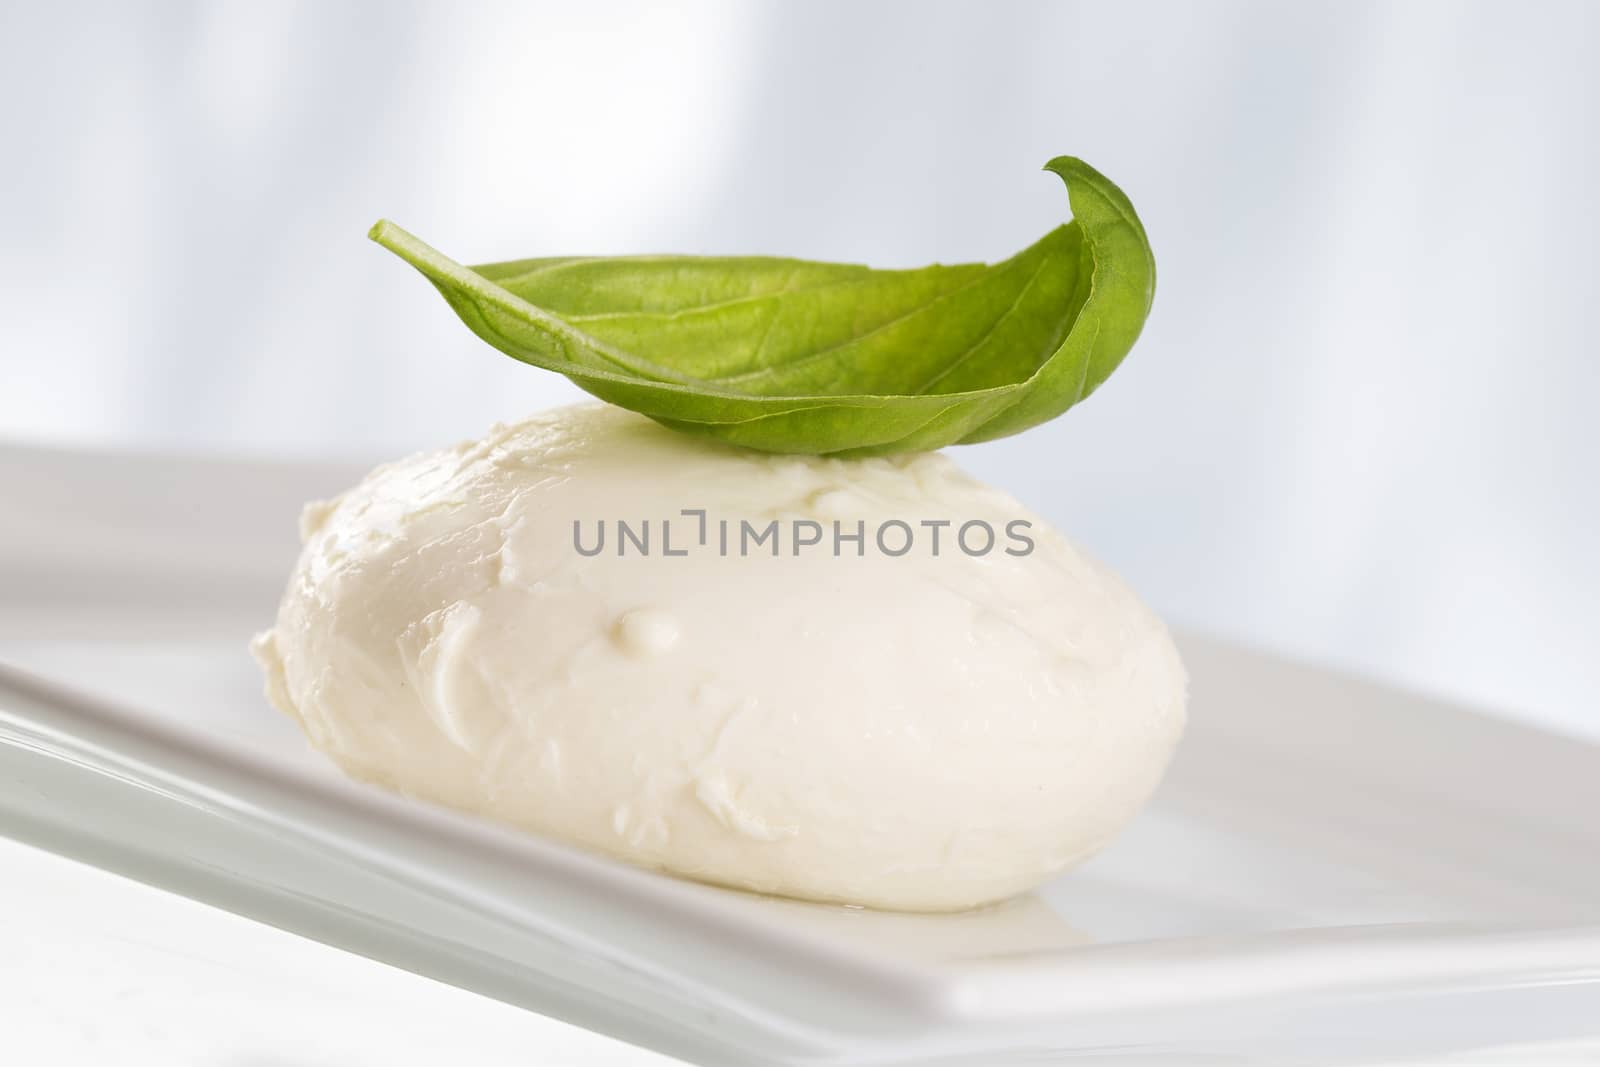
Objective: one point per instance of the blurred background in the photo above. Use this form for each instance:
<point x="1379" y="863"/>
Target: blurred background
<point x="1360" y="429"/>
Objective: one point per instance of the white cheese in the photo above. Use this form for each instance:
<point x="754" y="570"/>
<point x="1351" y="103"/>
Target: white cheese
<point x="870" y="721"/>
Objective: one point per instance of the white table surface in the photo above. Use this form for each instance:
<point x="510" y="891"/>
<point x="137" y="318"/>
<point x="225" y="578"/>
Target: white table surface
<point x="96" y="969"/>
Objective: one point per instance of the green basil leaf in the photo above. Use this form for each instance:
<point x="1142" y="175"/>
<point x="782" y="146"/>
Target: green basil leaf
<point x="789" y="355"/>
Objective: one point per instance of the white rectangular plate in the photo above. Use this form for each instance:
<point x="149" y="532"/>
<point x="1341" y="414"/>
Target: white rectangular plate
<point x="1333" y="870"/>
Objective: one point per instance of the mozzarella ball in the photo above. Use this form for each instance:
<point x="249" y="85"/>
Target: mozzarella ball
<point x="867" y="681"/>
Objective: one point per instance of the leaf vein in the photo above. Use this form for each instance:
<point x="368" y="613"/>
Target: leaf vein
<point x="989" y="331"/>
<point x="822" y="353"/>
